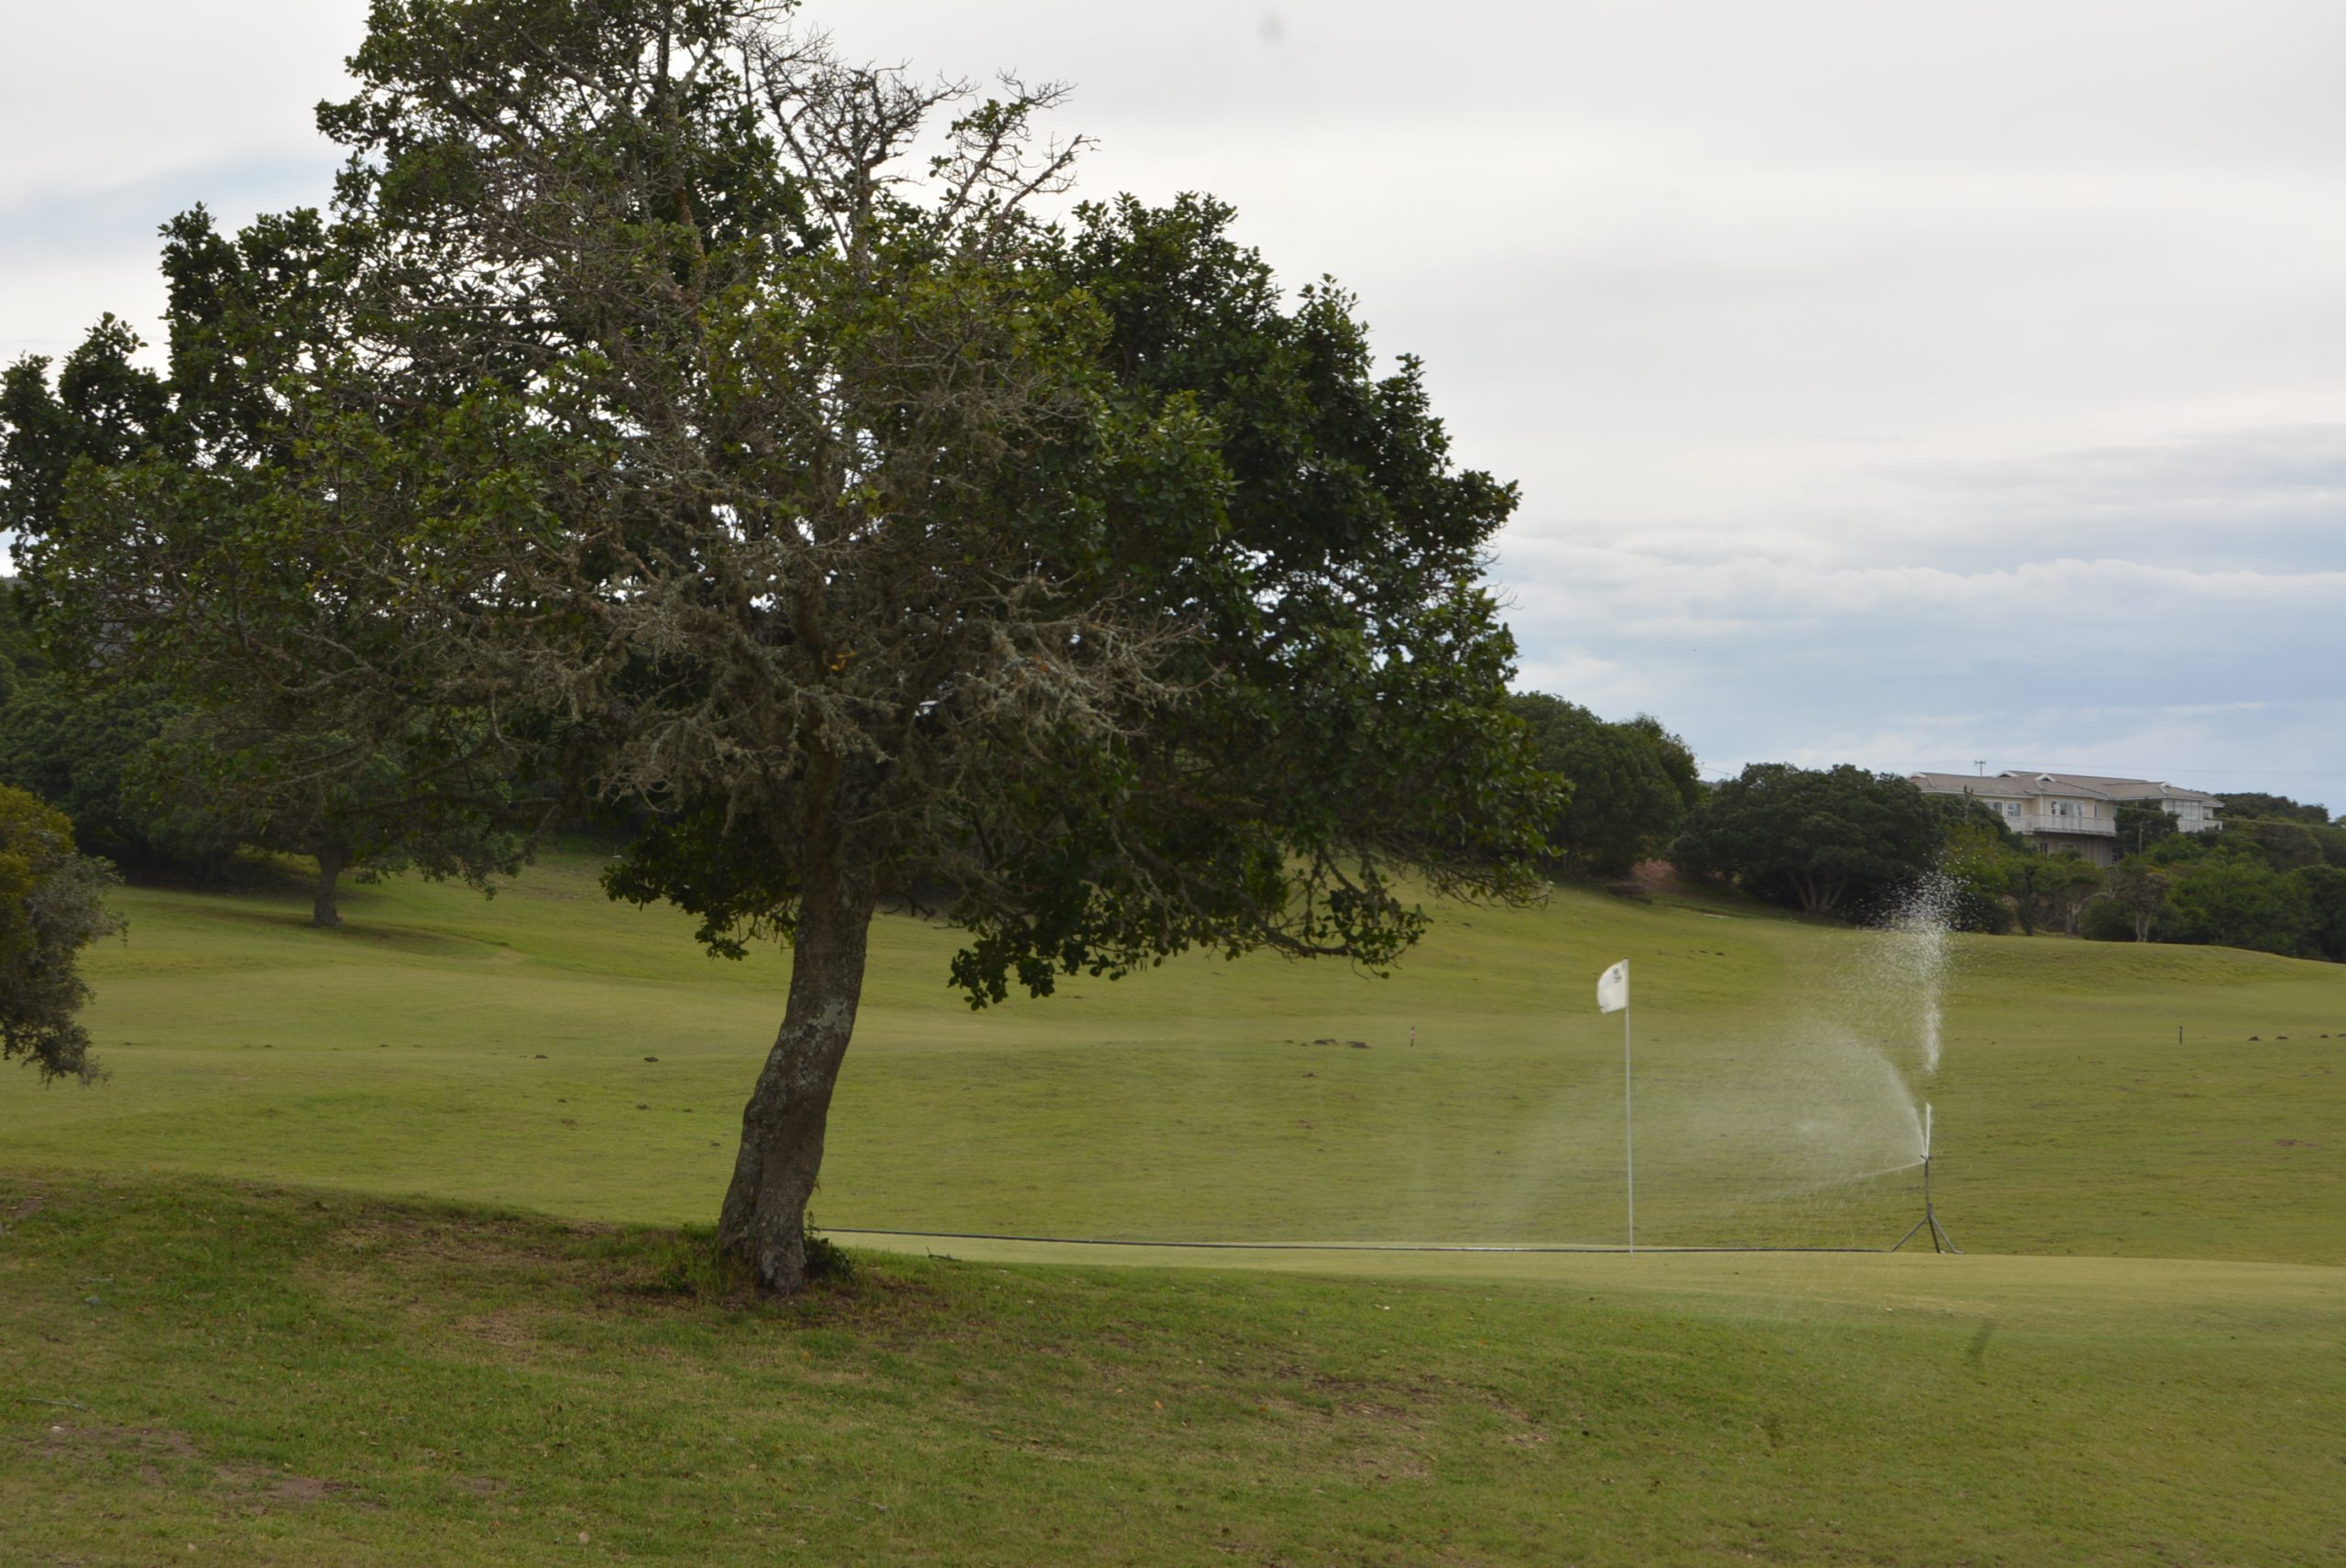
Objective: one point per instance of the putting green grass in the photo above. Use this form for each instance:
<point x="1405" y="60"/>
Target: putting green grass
<point x="495" y="1051"/>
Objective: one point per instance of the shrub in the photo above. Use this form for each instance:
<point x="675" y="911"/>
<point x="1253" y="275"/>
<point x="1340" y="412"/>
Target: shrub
<point x="52" y="905"/>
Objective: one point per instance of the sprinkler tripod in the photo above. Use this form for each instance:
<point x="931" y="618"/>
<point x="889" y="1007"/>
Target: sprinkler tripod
<point x="1940" y="1240"/>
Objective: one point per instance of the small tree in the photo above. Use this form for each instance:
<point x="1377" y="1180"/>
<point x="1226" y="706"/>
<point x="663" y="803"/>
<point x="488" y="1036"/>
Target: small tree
<point x="52" y="905"/>
<point x="877" y="538"/>
<point x="1823" y="840"/>
<point x="1630" y="784"/>
<point x="353" y="800"/>
<point x="2141" y="824"/>
<point x="2141" y="891"/>
<point x="2051" y="892"/>
<point x="1975" y="858"/>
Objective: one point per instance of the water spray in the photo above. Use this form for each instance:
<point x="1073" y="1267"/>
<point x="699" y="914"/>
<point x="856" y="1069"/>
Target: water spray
<point x="1940" y="1240"/>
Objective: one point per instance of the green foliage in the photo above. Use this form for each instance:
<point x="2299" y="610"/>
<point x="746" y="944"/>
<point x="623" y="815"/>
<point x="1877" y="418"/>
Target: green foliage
<point x="103" y="410"/>
<point x="52" y="905"/>
<point x="2286" y="845"/>
<point x="1979" y="822"/>
<point x="1822" y="839"/>
<point x="2143" y="824"/>
<point x="2324" y="890"/>
<point x="91" y="751"/>
<point x="827" y="1260"/>
<point x="2272" y="808"/>
<point x="2253" y="885"/>
<point x="2237" y="901"/>
<point x="2279" y="845"/>
<point x="21" y="654"/>
<point x="2189" y="849"/>
<point x="1346" y="696"/>
<point x="2105" y="920"/>
<point x="656" y="413"/>
<point x="2141" y="894"/>
<point x="2050" y="891"/>
<point x="1677" y="758"/>
<point x="250" y="689"/>
<point x="1630" y="784"/>
<point x="1974" y="857"/>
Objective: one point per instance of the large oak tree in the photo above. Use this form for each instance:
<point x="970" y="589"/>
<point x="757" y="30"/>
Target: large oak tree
<point x="731" y="428"/>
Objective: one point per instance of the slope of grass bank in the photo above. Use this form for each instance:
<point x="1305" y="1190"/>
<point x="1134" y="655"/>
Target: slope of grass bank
<point x="498" y="1052"/>
<point x="198" y="1372"/>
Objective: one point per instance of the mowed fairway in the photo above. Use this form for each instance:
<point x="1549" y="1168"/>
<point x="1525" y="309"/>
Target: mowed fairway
<point x="265" y="1295"/>
<point x="495" y="1052"/>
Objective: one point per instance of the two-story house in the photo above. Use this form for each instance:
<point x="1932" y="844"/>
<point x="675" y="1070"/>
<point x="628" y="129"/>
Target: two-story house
<point x="2075" y="811"/>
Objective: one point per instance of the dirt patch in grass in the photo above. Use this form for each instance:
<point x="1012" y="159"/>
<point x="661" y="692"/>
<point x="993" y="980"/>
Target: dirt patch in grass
<point x="1347" y="1416"/>
<point x="505" y="1330"/>
<point x="164" y="1457"/>
<point x="465" y="1238"/>
<point x="152" y="1441"/>
<point x="1363" y="1438"/>
<point x="278" y="1487"/>
<point x="382" y="1257"/>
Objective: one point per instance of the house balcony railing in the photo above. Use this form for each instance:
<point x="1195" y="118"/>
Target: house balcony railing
<point x="2092" y="827"/>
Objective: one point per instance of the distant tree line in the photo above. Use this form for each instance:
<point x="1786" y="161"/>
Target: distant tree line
<point x="1840" y="842"/>
<point x="143" y="784"/>
<point x="2272" y="878"/>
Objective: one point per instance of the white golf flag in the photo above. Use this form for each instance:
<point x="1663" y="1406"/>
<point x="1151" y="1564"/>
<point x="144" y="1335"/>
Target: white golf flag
<point x="1612" y="988"/>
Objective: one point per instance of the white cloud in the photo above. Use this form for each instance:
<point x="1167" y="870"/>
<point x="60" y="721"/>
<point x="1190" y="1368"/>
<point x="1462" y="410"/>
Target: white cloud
<point x="1967" y="381"/>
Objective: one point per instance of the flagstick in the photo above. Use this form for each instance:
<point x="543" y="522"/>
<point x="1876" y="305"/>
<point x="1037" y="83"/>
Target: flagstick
<point x="1628" y="1129"/>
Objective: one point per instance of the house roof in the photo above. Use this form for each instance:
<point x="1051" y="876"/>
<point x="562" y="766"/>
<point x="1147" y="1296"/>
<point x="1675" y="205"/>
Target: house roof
<point x="1960" y="783"/>
<point x="2027" y="784"/>
<point x="2136" y="789"/>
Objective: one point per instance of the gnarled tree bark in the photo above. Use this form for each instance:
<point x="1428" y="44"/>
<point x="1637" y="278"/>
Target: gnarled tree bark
<point x="763" y="1223"/>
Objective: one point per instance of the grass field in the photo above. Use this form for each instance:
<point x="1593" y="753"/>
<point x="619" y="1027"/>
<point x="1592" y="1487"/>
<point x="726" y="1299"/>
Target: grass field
<point x="495" y="1051"/>
<point x="367" y="1254"/>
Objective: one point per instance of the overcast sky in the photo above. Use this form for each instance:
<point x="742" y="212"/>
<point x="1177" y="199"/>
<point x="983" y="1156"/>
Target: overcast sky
<point x="1889" y="384"/>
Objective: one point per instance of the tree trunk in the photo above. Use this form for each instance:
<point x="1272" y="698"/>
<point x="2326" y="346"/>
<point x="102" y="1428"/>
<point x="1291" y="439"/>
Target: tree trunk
<point x="765" y="1220"/>
<point x="324" y="913"/>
